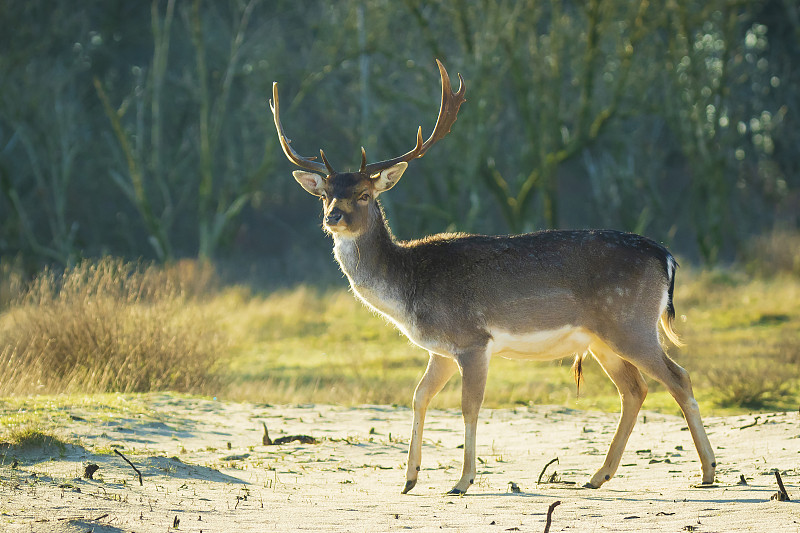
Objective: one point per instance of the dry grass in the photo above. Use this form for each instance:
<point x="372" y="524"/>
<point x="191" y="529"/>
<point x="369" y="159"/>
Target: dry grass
<point x="11" y="280"/>
<point x="743" y="345"/>
<point x="110" y="326"/>
<point x="307" y="346"/>
<point x="773" y="254"/>
<point x="115" y="326"/>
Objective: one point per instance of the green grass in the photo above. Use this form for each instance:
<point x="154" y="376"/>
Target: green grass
<point x="112" y="326"/>
<point x="31" y="420"/>
<point x="306" y="346"/>
<point x="53" y="409"/>
<point x="28" y="438"/>
<point x="743" y="338"/>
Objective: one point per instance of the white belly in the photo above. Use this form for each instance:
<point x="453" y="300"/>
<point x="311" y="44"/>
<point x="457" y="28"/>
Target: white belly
<point x="540" y="345"/>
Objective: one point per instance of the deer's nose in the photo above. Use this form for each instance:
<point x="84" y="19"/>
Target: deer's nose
<point x="334" y="216"/>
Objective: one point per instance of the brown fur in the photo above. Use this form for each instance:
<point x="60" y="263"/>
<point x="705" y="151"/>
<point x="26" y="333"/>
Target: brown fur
<point x="465" y="298"/>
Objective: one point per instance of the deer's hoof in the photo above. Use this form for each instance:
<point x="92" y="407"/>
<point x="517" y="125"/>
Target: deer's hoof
<point x="706" y="485"/>
<point x="409" y="485"/>
<point x="455" y="492"/>
<point x="589" y="485"/>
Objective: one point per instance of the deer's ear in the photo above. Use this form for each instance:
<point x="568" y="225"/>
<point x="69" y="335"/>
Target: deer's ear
<point x="389" y="177"/>
<point x="313" y="183"/>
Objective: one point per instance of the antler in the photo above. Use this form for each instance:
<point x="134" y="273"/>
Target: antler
<point x="448" y="112"/>
<point x="451" y="102"/>
<point x="307" y="163"/>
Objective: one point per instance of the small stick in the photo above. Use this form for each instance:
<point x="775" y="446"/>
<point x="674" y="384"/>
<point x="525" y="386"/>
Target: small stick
<point x="550" y="514"/>
<point x="780" y="486"/>
<point x="116" y="451"/>
<point x="303" y="439"/>
<point x="755" y="422"/>
<point x="538" y="481"/>
<point x="265" y="440"/>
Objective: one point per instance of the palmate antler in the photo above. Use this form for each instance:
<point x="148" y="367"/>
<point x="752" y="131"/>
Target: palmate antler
<point x="448" y="112"/>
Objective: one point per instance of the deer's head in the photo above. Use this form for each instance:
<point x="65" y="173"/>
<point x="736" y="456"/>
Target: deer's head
<point x="349" y="197"/>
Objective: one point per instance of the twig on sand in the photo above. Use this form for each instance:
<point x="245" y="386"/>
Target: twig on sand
<point x="550" y="513"/>
<point x="755" y="422"/>
<point x="781" y="495"/>
<point x="539" y="480"/>
<point x="302" y="439"/>
<point x="130" y="463"/>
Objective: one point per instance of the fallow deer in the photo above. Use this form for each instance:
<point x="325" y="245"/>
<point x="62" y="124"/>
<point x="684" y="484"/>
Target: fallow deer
<point x="539" y="296"/>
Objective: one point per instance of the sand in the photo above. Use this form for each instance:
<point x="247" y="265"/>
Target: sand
<point x="204" y="468"/>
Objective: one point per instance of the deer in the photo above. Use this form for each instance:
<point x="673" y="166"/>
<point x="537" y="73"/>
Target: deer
<point x="539" y="296"/>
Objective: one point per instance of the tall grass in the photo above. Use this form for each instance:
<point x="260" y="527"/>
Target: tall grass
<point x="305" y="346"/>
<point x="743" y="337"/>
<point x="773" y="254"/>
<point x="110" y="326"/>
<point x="116" y="326"/>
<point x="11" y="280"/>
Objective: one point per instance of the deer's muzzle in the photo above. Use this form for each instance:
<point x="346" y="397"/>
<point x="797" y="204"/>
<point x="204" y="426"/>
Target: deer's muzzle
<point x="334" y="217"/>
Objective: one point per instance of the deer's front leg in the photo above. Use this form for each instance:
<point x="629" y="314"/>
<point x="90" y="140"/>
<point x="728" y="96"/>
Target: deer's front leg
<point x="439" y="370"/>
<point x="474" y="368"/>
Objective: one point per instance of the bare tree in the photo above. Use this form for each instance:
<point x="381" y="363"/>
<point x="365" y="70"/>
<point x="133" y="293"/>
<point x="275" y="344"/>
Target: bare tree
<point x="146" y="180"/>
<point x="717" y="74"/>
<point x="567" y="83"/>
<point x="193" y="161"/>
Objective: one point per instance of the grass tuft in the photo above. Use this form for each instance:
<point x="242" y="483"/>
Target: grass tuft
<point x="110" y="325"/>
<point x="28" y="438"/>
<point x="754" y="383"/>
<point x="773" y="254"/>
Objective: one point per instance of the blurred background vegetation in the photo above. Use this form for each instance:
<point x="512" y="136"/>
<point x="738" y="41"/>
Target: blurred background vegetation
<point x="141" y="133"/>
<point x="143" y="130"/>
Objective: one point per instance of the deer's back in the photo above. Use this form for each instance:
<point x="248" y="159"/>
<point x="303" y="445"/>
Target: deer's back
<point x="465" y="286"/>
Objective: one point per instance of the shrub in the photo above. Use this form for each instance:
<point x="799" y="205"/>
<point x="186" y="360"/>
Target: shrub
<point x="773" y="254"/>
<point x="11" y="276"/>
<point x="110" y="325"/>
<point x="752" y="383"/>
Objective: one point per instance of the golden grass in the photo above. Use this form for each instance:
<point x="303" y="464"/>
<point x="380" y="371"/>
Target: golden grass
<point x="307" y="346"/>
<point x="110" y="326"/>
<point x="113" y="326"/>
<point x="743" y="337"/>
<point x="773" y="254"/>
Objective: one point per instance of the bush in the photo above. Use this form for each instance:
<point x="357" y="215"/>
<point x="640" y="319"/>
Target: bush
<point x="753" y="383"/>
<point x="773" y="254"/>
<point x="11" y="276"/>
<point x="109" y="325"/>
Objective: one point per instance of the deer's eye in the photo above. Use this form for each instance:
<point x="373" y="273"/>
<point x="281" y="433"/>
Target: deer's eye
<point x="364" y="197"/>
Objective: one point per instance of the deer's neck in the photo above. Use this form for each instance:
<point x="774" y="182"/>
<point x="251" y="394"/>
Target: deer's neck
<point x="373" y="263"/>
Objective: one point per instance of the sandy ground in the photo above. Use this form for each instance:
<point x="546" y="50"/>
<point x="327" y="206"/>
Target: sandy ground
<point x="205" y="469"/>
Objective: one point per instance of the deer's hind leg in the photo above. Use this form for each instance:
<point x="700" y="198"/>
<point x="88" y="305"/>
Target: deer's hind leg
<point x="660" y="367"/>
<point x="440" y="369"/>
<point x="632" y="391"/>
